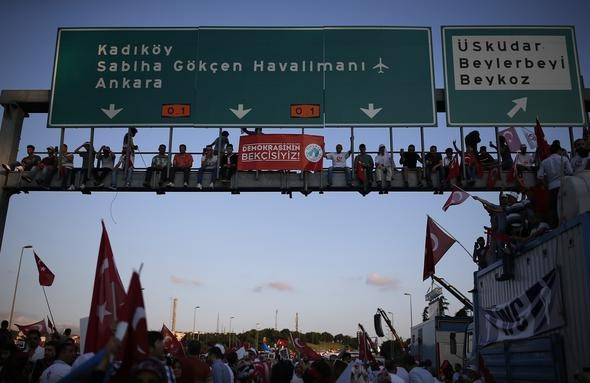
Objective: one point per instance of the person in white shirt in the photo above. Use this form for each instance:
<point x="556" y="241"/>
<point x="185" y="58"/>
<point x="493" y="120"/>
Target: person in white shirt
<point x="66" y="354"/>
<point x="579" y="161"/>
<point x="523" y="160"/>
<point x="339" y="163"/>
<point x="550" y="171"/>
<point x="383" y="167"/>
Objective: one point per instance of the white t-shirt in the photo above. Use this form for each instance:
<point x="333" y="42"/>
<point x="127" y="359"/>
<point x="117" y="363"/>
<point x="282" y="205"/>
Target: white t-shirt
<point x="338" y="159"/>
<point x="403" y="373"/>
<point x="396" y="379"/>
<point x="579" y="163"/>
<point x="420" y="375"/>
<point x="384" y="160"/>
<point x="55" y="372"/>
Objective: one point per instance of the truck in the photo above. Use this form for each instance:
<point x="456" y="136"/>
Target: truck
<point x="534" y="327"/>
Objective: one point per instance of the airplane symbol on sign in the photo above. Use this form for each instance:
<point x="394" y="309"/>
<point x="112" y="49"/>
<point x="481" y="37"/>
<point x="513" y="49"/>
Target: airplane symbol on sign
<point x="380" y="66"/>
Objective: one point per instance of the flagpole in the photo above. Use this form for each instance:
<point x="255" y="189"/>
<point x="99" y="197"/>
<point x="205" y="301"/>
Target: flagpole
<point x="450" y="235"/>
<point x="47" y="300"/>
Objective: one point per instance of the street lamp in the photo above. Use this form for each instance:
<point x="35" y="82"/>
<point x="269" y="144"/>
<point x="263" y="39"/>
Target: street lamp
<point x="230" y="318"/>
<point x="16" y="284"/>
<point x="411" y="315"/>
<point x="195" y="319"/>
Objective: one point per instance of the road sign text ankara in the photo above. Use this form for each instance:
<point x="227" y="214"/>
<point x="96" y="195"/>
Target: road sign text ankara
<point x="276" y="77"/>
<point x="508" y="76"/>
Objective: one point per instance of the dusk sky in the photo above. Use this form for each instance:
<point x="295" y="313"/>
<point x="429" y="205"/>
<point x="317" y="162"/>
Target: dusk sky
<point x="332" y="258"/>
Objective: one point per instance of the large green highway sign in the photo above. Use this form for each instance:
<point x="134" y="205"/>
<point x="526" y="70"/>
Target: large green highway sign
<point x="275" y="77"/>
<point x="508" y="76"/>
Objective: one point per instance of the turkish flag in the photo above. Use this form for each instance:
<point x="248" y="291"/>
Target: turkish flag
<point x="512" y="138"/>
<point x="107" y="297"/>
<point x="493" y="177"/>
<point x="40" y="326"/>
<point x="454" y="169"/>
<point x="46" y="277"/>
<point x="171" y="343"/>
<point x="365" y="353"/>
<point x="282" y="342"/>
<point x="360" y="174"/>
<point x="305" y="349"/>
<point x="457" y="197"/>
<point x="542" y="145"/>
<point x="132" y="330"/>
<point x="437" y="244"/>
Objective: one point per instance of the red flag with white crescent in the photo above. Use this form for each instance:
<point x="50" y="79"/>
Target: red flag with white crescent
<point x="171" y="343"/>
<point x="437" y="244"/>
<point x="454" y="169"/>
<point x="46" y="277"/>
<point x="305" y="349"/>
<point x="457" y="197"/>
<point x="512" y="138"/>
<point x="39" y="326"/>
<point x="132" y="329"/>
<point x="107" y="297"/>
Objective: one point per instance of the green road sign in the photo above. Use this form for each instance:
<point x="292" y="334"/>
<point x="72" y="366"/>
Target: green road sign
<point x="279" y="77"/>
<point x="508" y="76"/>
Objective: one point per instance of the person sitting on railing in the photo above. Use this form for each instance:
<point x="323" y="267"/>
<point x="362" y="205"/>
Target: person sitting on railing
<point x="183" y="162"/>
<point x="229" y="163"/>
<point x="383" y="167"/>
<point x="66" y="168"/>
<point x="87" y="155"/>
<point x="105" y="165"/>
<point x="48" y="167"/>
<point x="447" y="163"/>
<point x="363" y="167"/>
<point x="208" y="163"/>
<point x="410" y="161"/>
<point x="506" y="158"/>
<point x="339" y="163"/>
<point x="523" y="160"/>
<point x="434" y="164"/>
<point x="472" y="166"/>
<point x="160" y="163"/>
<point x="27" y="164"/>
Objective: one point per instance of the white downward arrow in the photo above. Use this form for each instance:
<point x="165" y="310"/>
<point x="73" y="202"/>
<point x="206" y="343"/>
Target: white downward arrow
<point x="111" y="111"/>
<point x="240" y="112"/>
<point x="371" y="111"/>
<point x="520" y="103"/>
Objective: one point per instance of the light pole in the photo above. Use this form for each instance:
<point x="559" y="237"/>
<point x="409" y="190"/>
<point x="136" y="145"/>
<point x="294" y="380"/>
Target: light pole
<point x="411" y="315"/>
<point x="16" y="284"/>
<point x="230" y="318"/>
<point x="195" y="320"/>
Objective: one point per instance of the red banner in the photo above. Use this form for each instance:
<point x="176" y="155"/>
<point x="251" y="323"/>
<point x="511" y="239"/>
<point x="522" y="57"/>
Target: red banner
<point x="281" y="152"/>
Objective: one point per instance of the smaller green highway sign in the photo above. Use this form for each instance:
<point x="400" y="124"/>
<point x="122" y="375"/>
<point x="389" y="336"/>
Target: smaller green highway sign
<point x="508" y="76"/>
<point x="276" y="77"/>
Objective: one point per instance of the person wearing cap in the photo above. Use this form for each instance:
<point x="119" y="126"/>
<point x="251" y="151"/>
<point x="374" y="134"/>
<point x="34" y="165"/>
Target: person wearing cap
<point x="338" y="159"/>
<point x="550" y="172"/>
<point x="383" y="167"/>
<point x="48" y="167"/>
<point x="523" y="160"/>
<point x="219" y="370"/>
<point x="105" y="165"/>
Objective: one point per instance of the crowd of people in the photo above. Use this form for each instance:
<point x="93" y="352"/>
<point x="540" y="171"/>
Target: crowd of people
<point x="58" y="358"/>
<point x="437" y="170"/>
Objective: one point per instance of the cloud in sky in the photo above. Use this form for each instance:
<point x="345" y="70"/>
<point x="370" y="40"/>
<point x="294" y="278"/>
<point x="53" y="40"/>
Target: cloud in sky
<point x="385" y="283"/>
<point x="279" y="286"/>
<point x="184" y="281"/>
